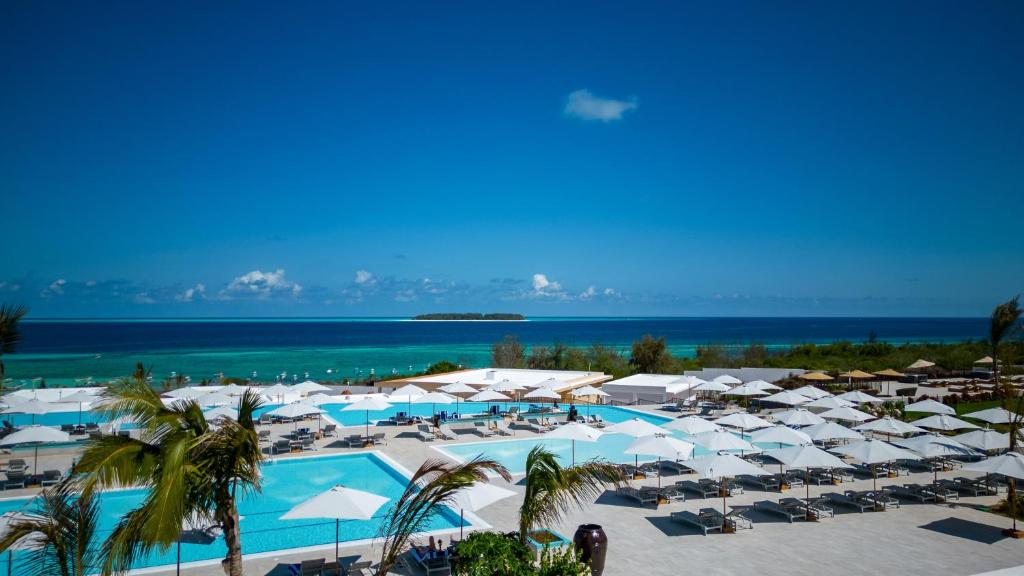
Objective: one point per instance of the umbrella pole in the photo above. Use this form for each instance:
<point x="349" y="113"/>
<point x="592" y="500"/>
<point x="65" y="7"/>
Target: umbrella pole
<point x="337" y="537"/>
<point x="573" y="452"/>
<point x="462" y="521"/>
<point x="177" y="568"/>
<point x="35" y="461"/>
<point x="367" y="425"/>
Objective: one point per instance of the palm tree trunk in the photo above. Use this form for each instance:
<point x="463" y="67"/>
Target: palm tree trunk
<point x="227" y="514"/>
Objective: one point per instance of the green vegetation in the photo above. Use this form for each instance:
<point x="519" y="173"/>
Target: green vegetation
<point x="63" y="524"/>
<point x="10" y="335"/>
<point x="494" y="554"/>
<point x="469" y="316"/>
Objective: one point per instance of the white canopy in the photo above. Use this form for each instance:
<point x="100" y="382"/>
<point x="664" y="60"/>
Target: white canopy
<point x="434" y="398"/>
<point x="233" y="389"/>
<point x="369" y="403"/>
<point x="1010" y="464"/>
<point x="295" y="410"/>
<point x="575" y="431"/>
<point x="31" y="406"/>
<point x="321" y="398"/>
<point x="935" y="446"/>
<point x="488" y="396"/>
<point x="458" y="388"/>
<point x="812" y="392"/>
<point x="829" y="402"/>
<point x="309" y="386"/>
<point x="479" y="495"/>
<point x="743" y="421"/>
<point x="186" y="392"/>
<point x="762" y="385"/>
<point x="747" y="390"/>
<point x="985" y="440"/>
<point x="711" y="387"/>
<point x="35" y="434"/>
<point x="505" y="386"/>
<point x="588" y="391"/>
<point x="727" y="379"/>
<point x="798" y="417"/>
<point x="545" y="393"/>
<point x="216" y="399"/>
<point x="691" y="425"/>
<point x="338" y="503"/>
<point x="831" y="431"/>
<point x="634" y="427"/>
<point x="846" y="414"/>
<point x="874" y="452"/>
<point x="930" y="406"/>
<point x="549" y="383"/>
<point x="221" y="411"/>
<point x="780" y="435"/>
<point x="944" y="422"/>
<point x="992" y="415"/>
<point x="787" y="397"/>
<point x="275" y="390"/>
<point x="858" y="397"/>
<point x="724" y="466"/>
<point x="661" y="446"/>
<point x="32" y="541"/>
<point x="889" y="425"/>
<point x="806" y="457"/>
<point x="721" y="440"/>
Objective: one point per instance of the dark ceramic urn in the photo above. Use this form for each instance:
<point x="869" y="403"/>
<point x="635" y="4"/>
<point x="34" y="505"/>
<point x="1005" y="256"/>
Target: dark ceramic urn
<point x="592" y="544"/>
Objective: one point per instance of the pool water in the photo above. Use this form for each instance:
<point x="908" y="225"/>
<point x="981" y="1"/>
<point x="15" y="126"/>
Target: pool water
<point x="610" y="414"/>
<point x="285" y="483"/>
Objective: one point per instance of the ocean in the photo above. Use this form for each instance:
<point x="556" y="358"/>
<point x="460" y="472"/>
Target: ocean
<point x="66" y="352"/>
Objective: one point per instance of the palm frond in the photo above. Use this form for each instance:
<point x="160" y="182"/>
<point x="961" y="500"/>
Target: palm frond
<point x="59" y="531"/>
<point x="10" y="334"/>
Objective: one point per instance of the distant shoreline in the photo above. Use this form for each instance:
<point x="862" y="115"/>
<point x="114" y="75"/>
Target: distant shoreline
<point x="470" y="316"/>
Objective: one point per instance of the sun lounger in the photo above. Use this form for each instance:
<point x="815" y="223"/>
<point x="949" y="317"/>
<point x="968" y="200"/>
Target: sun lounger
<point x="844" y="500"/>
<point x="943" y="493"/>
<point x="675" y="466"/>
<point x="423" y="433"/>
<point x="15" y="479"/>
<point x="50" y="478"/>
<point x="309" y="444"/>
<point x="703" y="488"/>
<point x="281" y="447"/>
<point x="705" y="523"/>
<point x="791" y="479"/>
<point x="355" y="440"/>
<point x="820" y="508"/>
<point x="263" y="435"/>
<point x="788" y="511"/>
<point x="446" y="432"/>
<point x="913" y="492"/>
<point x="673" y="493"/>
<point x="430" y="565"/>
<point x="481" y="429"/>
<point x="976" y="486"/>
<point x="330" y="430"/>
<point x="266" y="419"/>
<point x="312" y="567"/>
<point x="642" y="496"/>
<point x="736" y="519"/>
<point x="378" y="438"/>
<point x="879" y="498"/>
<point x="17" y="465"/>
<point x="766" y="483"/>
<point x="533" y="425"/>
<point x="596" y="421"/>
<point x="502" y="428"/>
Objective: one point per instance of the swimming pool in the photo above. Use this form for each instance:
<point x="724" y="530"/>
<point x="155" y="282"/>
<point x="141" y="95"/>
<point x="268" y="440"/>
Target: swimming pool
<point x="286" y="483"/>
<point x="610" y="414"/>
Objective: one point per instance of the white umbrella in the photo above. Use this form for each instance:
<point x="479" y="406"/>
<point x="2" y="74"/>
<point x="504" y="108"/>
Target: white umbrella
<point x="780" y="435"/>
<point x="505" y="386"/>
<point x="935" y="446"/>
<point x="723" y="467"/>
<point x="216" y="399"/>
<point x="798" y="417"/>
<point x="276" y="391"/>
<point x="787" y="397"/>
<point x="722" y="440"/>
<point x="831" y="431"/>
<point x="888" y="426"/>
<point x="81" y="398"/>
<point x="31" y="406"/>
<point x="812" y="392"/>
<point x="711" y="387"/>
<point x="476" y="497"/>
<point x="233" y="389"/>
<point x="36" y="435"/>
<point x="320" y="398"/>
<point x="434" y="398"/>
<point x="691" y="425"/>
<point x="549" y="383"/>
<point x="295" y="410"/>
<point x="1010" y="464"/>
<point x="829" y="403"/>
<point x="575" y="431"/>
<point x="29" y="542"/>
<point x="634" y="427"/>
<point x="930" y="406"/>
<point x="589" y="391"/>
<point x="872" y="452"/>
<point x="458" y="388"/>
<point x="488" y="396"/>
<point x="762" y="385"/>
<point x="727" y="379"/>
<point x="186" y="392"/>
<point x="746" y="390"/>
<point x="846" y="414"/>
<point x="368" y="404"/>
<point x="546" y="393"/>
<point x="743" y="421"/>
<point x="985" y="440"/>
<point x="660" y="446"/>
<point x="221" y="411"/>
<point x="807" y="457"/>
<point x="309" y="386"/>
<point x="944" y="422"/>
<point x="992" y="415"/>
<point x="858" y="397"/>
<point x="406" y="394"/>
<point x="338" y="503"/>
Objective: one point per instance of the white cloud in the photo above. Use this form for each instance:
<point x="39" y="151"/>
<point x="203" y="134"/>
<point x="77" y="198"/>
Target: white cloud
<point x="365" y="278"/>
<point x="589" y="293"/>
<point x="589" y="106"/>
<point x="610" y="292"/>
<point x="143" y="298"/>
<point x="56" y="288"/>
<point x="262" y="285"/>
<point x="408" y="295"/>
<point x="542" y="284"/>
<point x="196" y="292"/>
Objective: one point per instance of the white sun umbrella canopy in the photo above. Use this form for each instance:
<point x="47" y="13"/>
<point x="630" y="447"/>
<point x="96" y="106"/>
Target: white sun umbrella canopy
<point x="986" y="440"/>
<point x="872" y="452"/>
<point x="543" y="393"/>
<point x="806" y="458"/>
<point x="636" y="428"/>
<point x="338" y="503"/>
<point x="812" y="392"/>
<point x="847" y="414"/>
<point x="488" y="396"/>
<point x="660" y="446"/>
<point x="944" y="422"/>
<point x="458" y="388"/>
<point x="780" y="435"/>
<point x="506" y="386"/>
<point x="435" y="398"/>
<point x="367" y="405"/>
<point x="233" y="389"/>
<point x="858" y="397"/>
<point x="477" y="497"/>
<point x="186" y="392"/>
<point x="829" y="403"/>
<point x="722" y="440"/>
<point x="935" y="446"/>
<point x="588" y="391"/>
<point x="35" y="435"/>
<point x="33" y="406"/>
<point x="406" y="394"/>
<point x="549" y="383"/>
<point x="762" y="385"/>
<point x="574" y="431"/>
<point x="743" y="421"/>
<point x="722" y="467"/>
<point x="711" y="387"/>
<point x="221" y="411"/>
<point x="691" y="425"/>
<point x="992" y="415"/>
<point x="1010" y="464"/>
<point x="831" y="431"/>
<point x="798" y="417"/>
<point x="787" y="397"/>
<point x="889" y="425"/>
<point x="216" y="399"/>
<point x="320" y="398"/>
<point x="930" y="406"/>
<point x="727" y="380"/>
<point x="277" y="391"/>
<point x="920" y="365"/>
<point x="746" y="390"/>
<point x="308" y="387"/>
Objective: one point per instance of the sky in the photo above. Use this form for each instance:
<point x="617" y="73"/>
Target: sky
<point x="573" y="158"/>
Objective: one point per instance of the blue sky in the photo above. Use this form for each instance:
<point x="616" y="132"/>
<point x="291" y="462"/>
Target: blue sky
<point x="387" y="158"/>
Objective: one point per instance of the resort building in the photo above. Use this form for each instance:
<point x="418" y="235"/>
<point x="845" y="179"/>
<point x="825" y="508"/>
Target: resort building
<point x="665" y="388"/>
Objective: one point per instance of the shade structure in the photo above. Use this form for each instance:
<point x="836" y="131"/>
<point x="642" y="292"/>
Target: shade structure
<point x="691" y="425"/>
<point x="221" y="412"/>
<point x="745" y="390"/>
<point x="186" y="393"/>
<point x="458" y="388"/>
<point x="798" y="417"/>
<point x="505" y="386"/>
<point x="920" y="364"/>
<point x="233" y="389"/>
<point x="858" y="397"/>
<point x="890" y="373"/>
<point x="935" y="446"/>
<point x="780" y="435"/>
<point x="722" y="467"/>
<point x="338" y="503"/>
<point x="721" y="440"/>
<point x="321" y="398"/>
<point x="575" y="431"/>
<point x="711" y="387"/>
<point x="986" y="440"/>
<point x="929" y="406"/>
<point x="944" y="422"/>
<point x="588" y="391"/>
<point x="846" y="414"/>
<point x="660" y="446"/>
<point x="984" y="360"/>
<point x="992" y="415"/>
<point x="829" y="402"/>
<point x="743" y="421"/>
<point x="478" y="496"/>
<point x="831" y="431"/>
<point x="309" y="386"/>
<point x="488" y="396"/>
<point x="812" y="392"/>
<point x="32" y="406"/>
<point x="727" y="379"/>
<point x="889" y="425"/>
<point x="276" y="391"/>
<point x="83" y="397"/>
<point x="873" y="452"/>
<point x="636" y="428"/>
<point x="434" y="398"/>
<point x="295" y="410"/>
<point x="406" y="394"/>
<point x="542" y="393"/>
<point x="807" y="457"/>
<point x="787" y="397"/>
<point x="548" y="383"/>
<point x="1010" y="464"/>
<point x="762" y="385"/>
<point x="35" y="435"/>
<point x="216" y="399"/>
<point x="857" y="375"/>
<point x="816" y="377"/>
<point x="367" y="405"/>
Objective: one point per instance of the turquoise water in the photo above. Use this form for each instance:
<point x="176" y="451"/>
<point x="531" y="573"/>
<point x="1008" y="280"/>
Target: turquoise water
<point x="355" y="418"/>
<point x="285" y="484"/>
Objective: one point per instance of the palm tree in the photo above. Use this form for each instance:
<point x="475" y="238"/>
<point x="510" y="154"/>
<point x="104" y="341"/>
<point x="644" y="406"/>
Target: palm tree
<point x="10" y="336"/>
<point x="551" y="490"/>
<point x="193" y="470"/>
<point x="60" y="530"/>
<point x="1004" y="318"/>
<point x="433" y="485"/>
